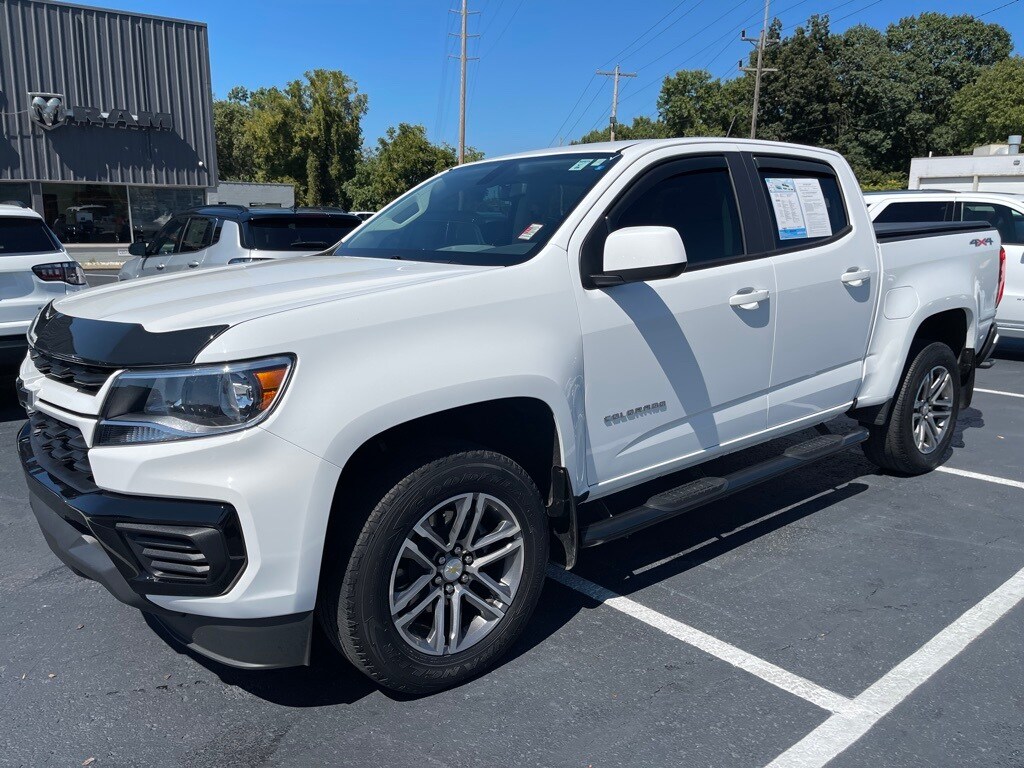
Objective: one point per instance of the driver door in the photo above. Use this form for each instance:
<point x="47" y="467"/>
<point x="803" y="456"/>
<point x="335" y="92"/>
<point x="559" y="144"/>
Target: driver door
<point x="676" y="367"/>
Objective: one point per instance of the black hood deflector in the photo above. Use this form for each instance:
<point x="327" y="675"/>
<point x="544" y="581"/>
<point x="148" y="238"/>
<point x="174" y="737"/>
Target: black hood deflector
<point x="118" y="345"/>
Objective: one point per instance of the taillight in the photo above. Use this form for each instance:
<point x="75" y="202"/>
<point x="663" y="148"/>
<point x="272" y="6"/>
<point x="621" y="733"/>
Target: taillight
<point x="1002" y="275"/>
<point x="69" y="272"/>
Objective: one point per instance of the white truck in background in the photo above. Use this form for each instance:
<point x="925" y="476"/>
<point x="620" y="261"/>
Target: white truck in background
<point x="393" y="438"/>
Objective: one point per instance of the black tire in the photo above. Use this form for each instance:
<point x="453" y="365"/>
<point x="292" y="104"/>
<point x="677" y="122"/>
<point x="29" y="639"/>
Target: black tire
<point x="892" y="445"/>
<point x="355" y="604"/>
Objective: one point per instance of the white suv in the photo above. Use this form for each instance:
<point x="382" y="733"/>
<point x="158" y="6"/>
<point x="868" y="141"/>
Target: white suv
<point x="219" y="235"/>
<point x="34" y="270"/>
<point x="1004" y="211"/>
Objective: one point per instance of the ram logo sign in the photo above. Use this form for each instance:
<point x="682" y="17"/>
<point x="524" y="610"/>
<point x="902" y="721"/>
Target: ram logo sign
<point x="978" y="242"/>
<point x="48" y="111"/>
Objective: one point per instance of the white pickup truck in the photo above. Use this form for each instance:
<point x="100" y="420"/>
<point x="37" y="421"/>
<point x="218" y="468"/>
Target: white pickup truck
<point x="394" y="438"/>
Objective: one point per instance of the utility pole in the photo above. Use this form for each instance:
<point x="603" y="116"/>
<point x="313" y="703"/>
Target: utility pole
<point x="760" y="41"/>
<point x="616" y="73"/>
<point x="463" y="59"/>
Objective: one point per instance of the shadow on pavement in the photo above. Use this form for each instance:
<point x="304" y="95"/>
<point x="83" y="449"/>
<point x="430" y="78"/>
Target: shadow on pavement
<point x="10" y="410"/>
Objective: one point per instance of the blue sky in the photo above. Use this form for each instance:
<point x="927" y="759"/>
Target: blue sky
<point x="537" y="56"/>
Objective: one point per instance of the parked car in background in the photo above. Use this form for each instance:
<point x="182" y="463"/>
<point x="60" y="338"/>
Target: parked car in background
<point x="219" y="235"/>
<point x="1004" y="211"/>
<point x="34" y="270"/>
<point x="393" y="442"/>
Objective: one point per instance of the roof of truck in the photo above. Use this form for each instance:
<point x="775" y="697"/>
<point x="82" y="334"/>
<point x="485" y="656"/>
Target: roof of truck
<point x="248" y="213"/>
<point x="19" y="210"/>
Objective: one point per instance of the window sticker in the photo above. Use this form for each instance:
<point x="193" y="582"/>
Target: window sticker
<point x="800" y="210"/>
<point x="579" y="165"/>
<point x="530" y="231"/>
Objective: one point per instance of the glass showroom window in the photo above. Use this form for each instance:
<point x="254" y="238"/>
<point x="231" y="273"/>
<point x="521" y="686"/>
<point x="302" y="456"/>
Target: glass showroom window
<point x="87" y="213"/>
<point x="16" y="193"/>
<point x="152" y="207"/>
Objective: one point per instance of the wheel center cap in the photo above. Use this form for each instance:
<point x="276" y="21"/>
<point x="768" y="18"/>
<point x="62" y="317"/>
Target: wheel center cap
<point x="452" y="570"/>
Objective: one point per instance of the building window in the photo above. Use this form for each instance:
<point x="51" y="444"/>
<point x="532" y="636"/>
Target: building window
<point x="152" y="207"/>
<point x="16" y="193"/>
<point x="87" y="213"/>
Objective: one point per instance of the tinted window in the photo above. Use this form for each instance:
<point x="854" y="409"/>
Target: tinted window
<point x="298" y="233"/>
<point x="25" y="235"/>
<point x="806" y="205"/>
<point x="1009" y="222"/>
<point x="166" y="240"/>
<point x="494" y="213"/>
<point x="917" y="211"/>
<point x="699" y="205"/>
<point x="198" y="235"/>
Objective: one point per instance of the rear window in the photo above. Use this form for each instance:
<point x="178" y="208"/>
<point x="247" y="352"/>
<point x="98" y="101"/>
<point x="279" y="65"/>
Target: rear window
<point x="915" y="212"/>
<point x="298" y="233"/>
<point x="25" y="235"/>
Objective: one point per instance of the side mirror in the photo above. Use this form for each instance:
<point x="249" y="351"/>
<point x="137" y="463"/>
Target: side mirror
<point x="137" y="248"/>
<point x="641" y="253"/>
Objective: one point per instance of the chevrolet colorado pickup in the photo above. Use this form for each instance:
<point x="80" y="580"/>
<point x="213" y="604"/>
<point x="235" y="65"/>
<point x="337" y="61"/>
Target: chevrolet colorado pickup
<point x="393" y="438"/>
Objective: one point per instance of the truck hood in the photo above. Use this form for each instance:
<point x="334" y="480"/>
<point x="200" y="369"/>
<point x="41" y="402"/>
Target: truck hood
<point x="231" y="295"/>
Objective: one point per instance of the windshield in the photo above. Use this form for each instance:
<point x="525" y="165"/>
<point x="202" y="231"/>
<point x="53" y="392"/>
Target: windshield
<point x="298" y="233"/>
<point x="20" y="235"/>
<point x="493" y="214"/>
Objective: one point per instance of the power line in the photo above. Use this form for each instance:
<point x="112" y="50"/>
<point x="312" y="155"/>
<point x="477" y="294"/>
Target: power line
<point x="442" y="90"/>
<point x="621" y="54"/>
<point x="1004" y="5"/>
<point x="571" y="111"/>
<point x="760" y="69"/>
<point x="503" y="29"/>
<point x="585" y="111"/>
<point x="464" y="36"/>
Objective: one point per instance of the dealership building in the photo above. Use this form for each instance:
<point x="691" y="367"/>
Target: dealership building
<point x="106" y="120"/>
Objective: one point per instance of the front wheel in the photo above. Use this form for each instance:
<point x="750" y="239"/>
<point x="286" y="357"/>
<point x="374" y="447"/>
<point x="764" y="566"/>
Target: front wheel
<point x="920" y="425"/>
<point x="444" y="575"/>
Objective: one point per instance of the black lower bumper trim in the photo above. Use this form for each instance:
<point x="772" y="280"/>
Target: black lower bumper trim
<point x="272" y="643"/>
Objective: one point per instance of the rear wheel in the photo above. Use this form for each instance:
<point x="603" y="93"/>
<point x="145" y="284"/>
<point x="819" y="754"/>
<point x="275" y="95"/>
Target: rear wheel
<point x="444" y="574"/>
<point x="920" y="425"/>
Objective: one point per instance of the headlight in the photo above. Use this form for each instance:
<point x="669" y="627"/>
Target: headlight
<point x="201" y="401"/>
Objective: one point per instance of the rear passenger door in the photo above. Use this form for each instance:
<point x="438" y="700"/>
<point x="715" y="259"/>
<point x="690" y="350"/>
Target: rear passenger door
<point x="195" y="240"/>
<point x="827" y="276"/>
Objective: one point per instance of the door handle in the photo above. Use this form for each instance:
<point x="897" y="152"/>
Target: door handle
<point x="748" y="298"/>
<point x="193" y="264"/>
<point x="856" y="277"/>
<point x="160" y="266"/>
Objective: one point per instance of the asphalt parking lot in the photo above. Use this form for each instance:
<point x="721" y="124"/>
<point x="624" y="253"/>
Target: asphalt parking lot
<point x="835" y="615"/>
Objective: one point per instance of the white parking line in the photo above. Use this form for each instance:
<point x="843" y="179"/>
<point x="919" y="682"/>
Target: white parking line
<point x="997" y="392"/>
<point x="979" y="476"/>
<point x="842" y="729"/>
<point x="777" y="676"/>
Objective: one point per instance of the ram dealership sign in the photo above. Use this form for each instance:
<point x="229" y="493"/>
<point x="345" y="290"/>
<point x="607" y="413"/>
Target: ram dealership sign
<point x="49" y="111"/>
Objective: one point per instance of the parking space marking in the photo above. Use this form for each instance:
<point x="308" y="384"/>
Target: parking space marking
<point x="997" y="392"/>
<point x="980" y="476"/>
<point x="842" y="729"/>
<point x="765" y="670"/>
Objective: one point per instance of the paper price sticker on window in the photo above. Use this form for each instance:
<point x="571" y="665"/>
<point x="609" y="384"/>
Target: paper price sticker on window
<point x="579" y="165"/>
<point x="530" y="231"/>
<point x="800" y="209"/>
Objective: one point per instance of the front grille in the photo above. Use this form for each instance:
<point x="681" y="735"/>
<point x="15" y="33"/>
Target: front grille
<point x="85" y="378"/>
<point x="177" y="553"/>
<point x="61" y="451"/>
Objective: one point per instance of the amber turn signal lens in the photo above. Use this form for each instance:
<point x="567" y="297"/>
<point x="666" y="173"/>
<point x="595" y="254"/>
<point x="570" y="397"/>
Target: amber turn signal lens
<point x="270" y="384"/>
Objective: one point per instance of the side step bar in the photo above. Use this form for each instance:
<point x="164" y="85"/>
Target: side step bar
<point x="697" y="493"/>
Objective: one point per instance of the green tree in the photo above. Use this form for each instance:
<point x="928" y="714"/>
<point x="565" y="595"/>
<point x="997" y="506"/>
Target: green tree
<point x="693" y="103"/>
<point x="641" y="128"/>
<point x="992" y="107"/>
<point x="403" y="158"/>
<point x="230" y="117"/>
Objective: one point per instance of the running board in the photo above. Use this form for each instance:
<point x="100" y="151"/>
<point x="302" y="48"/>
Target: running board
<point x="697" y="493"/>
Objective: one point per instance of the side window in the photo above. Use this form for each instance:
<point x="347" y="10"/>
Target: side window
<point x="699" y="204"/>
<point x="804" y="199"/>
<point x="166" y="240"/>
<point x="198" y="234"/>
<point x="917" y="211"/>
<point x="1009" y="222"/>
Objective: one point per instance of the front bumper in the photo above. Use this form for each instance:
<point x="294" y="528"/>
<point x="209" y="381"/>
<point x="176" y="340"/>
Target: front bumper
<point x="119" y="540"/>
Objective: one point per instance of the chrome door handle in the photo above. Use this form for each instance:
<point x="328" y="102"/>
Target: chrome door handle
<point x="193" y="264"/>
<point x="856" y="277"/>
<point x="748" y="298"/>
<point x="160" y="266"/>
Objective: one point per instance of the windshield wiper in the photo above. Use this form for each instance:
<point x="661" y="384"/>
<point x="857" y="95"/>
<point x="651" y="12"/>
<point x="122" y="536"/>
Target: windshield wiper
<point x="309" y="244"/>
